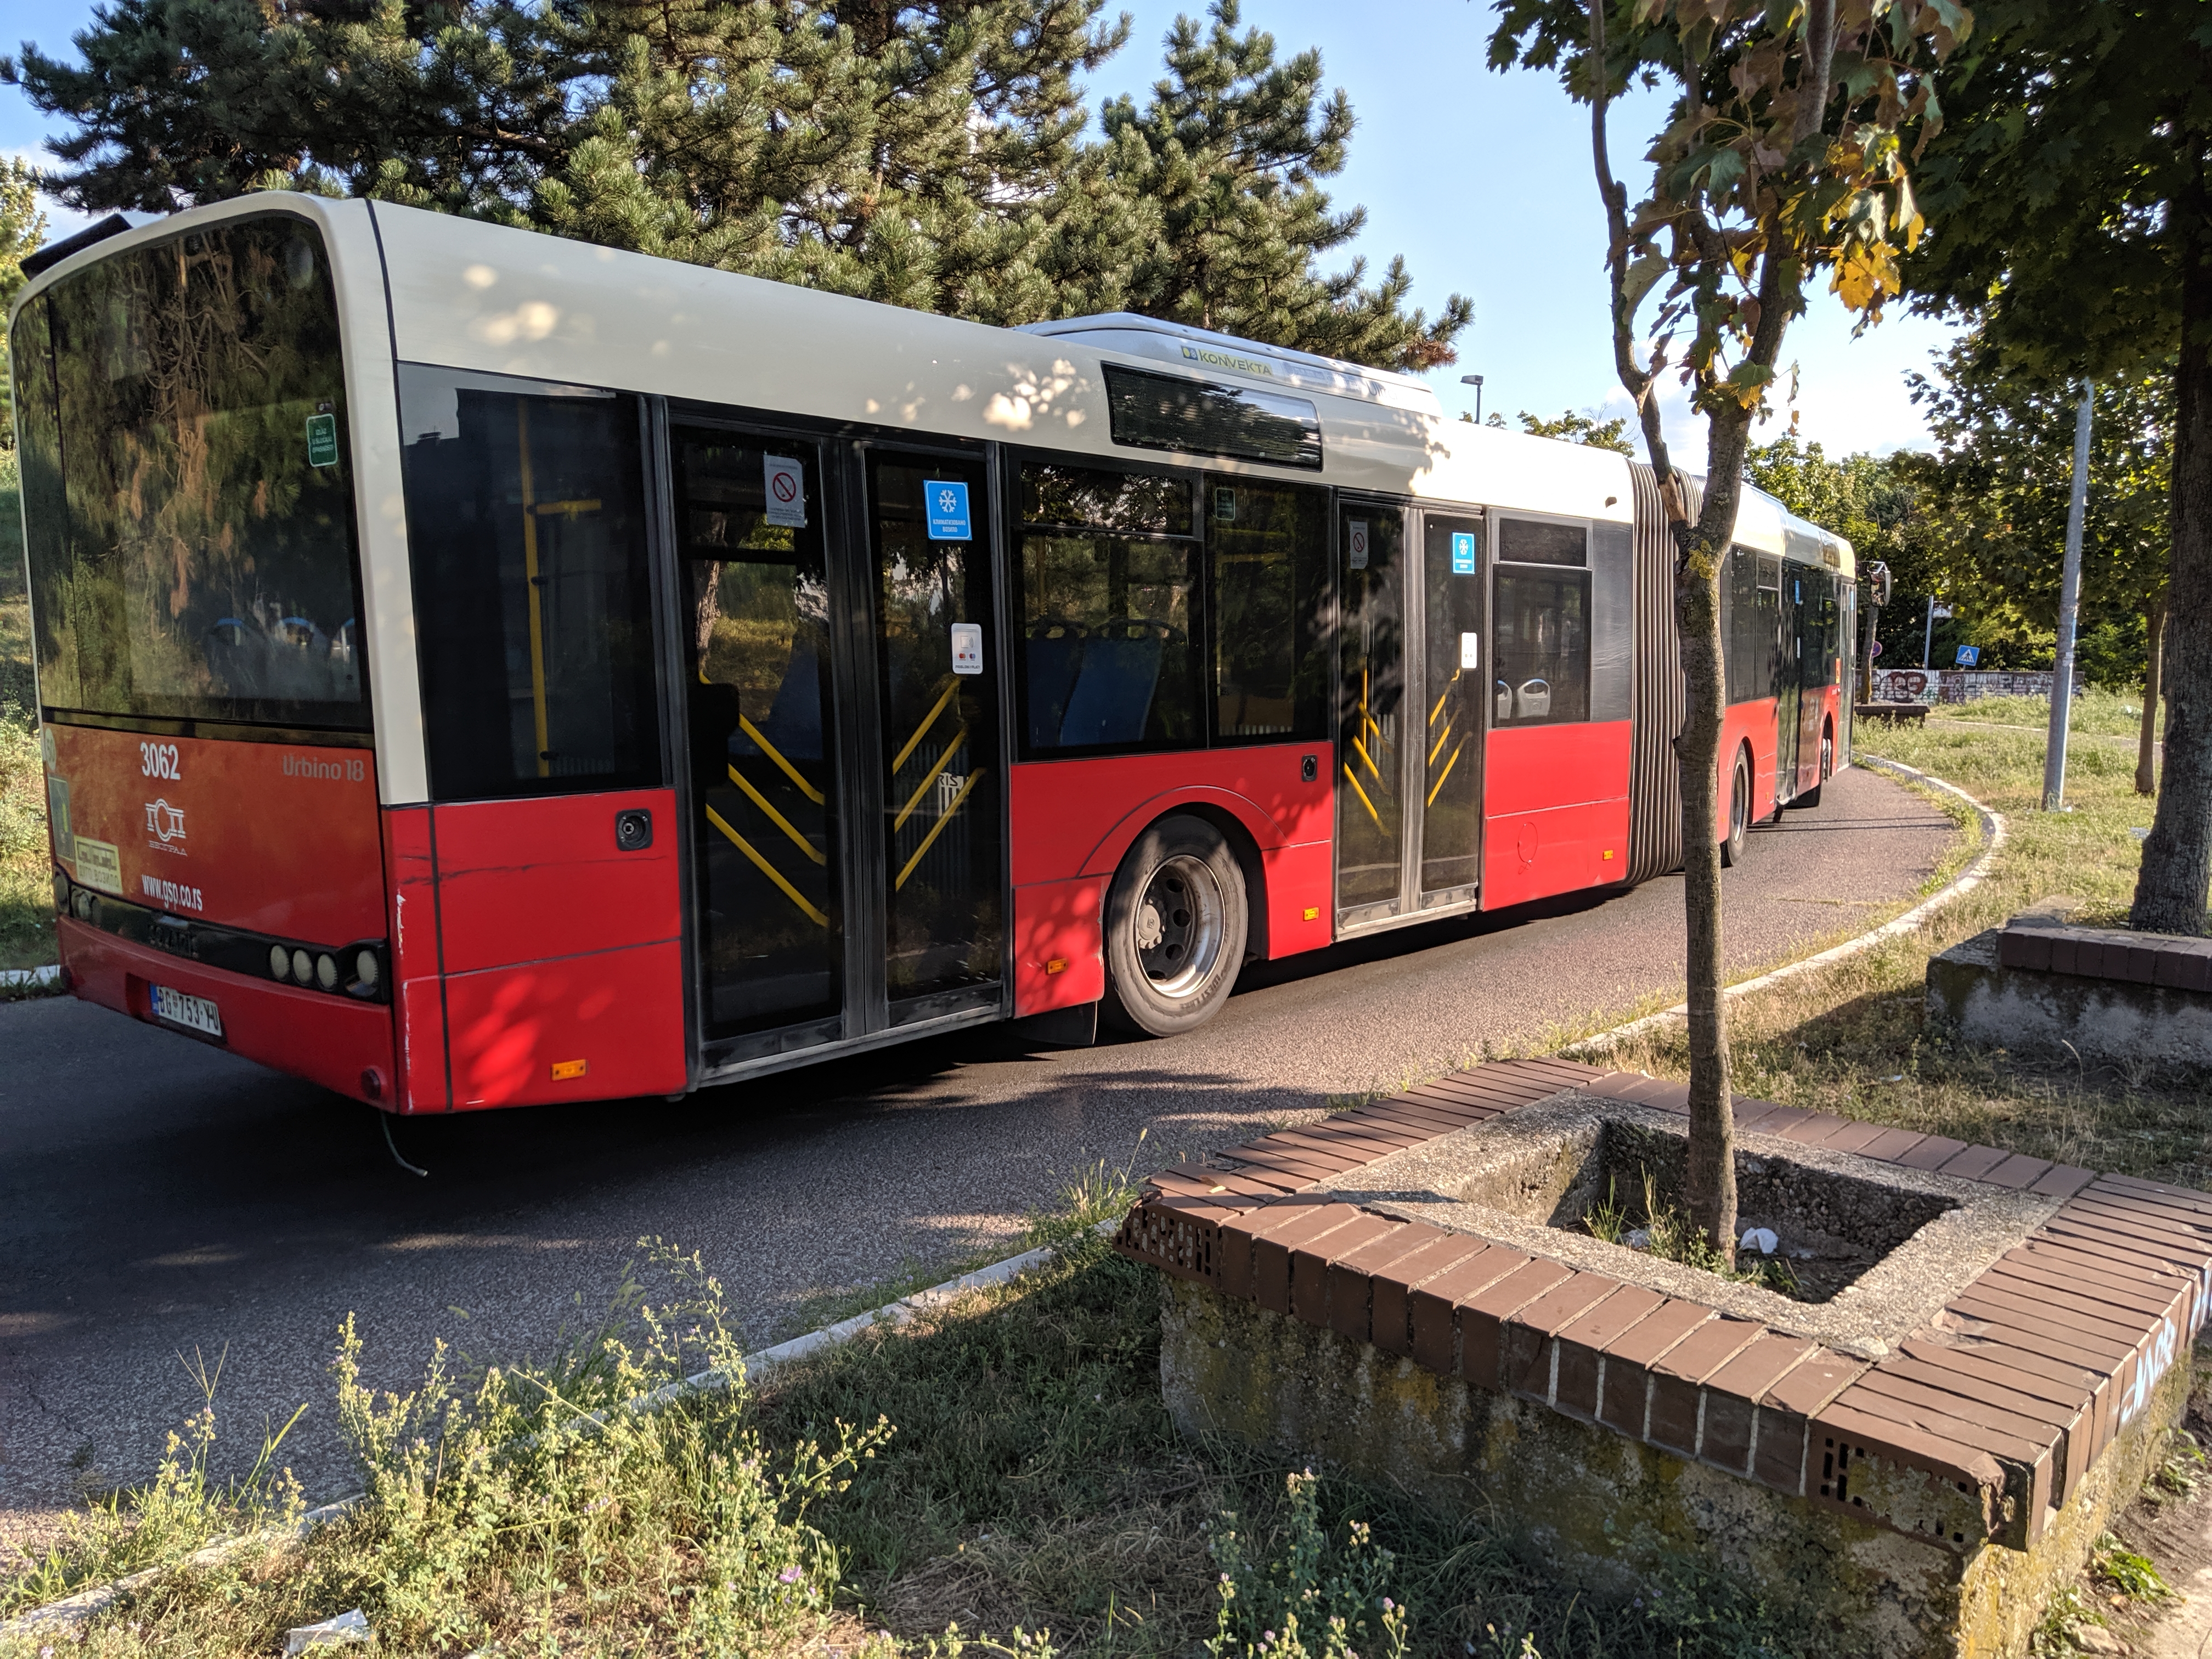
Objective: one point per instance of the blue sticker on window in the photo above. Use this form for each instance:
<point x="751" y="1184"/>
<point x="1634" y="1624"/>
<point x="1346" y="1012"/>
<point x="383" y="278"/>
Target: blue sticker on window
<point x="1462" y="553"/>
<point x="945" y="500"/>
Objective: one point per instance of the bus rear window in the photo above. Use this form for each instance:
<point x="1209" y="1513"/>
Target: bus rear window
<point x="188" y="494"/>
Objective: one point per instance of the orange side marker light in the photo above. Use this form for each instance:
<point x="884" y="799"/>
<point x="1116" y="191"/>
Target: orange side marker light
<point x="1313" y="911"/>
<point x="1056" y="965"/>
<point x="565" y="1070"/>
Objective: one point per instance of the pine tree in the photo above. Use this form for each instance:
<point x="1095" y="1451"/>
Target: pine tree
<point x="931" y="155"/>
<point x="1229" y="149"/>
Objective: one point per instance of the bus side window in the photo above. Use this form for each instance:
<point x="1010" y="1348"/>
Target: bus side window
<point x="1269" y="545"/>
<point x="526" y="532"/>
<point x="1540" y="623"/>
<point x="1106" y="590"/>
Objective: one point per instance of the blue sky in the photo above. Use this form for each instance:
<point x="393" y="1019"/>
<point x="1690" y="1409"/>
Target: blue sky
<point x="1481" y="181"/>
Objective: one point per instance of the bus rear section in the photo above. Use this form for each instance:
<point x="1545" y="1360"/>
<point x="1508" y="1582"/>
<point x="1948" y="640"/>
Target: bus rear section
<point x="196" y="593"/>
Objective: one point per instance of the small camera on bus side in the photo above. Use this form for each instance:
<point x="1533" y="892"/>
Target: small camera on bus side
<point x="633" y="831"/>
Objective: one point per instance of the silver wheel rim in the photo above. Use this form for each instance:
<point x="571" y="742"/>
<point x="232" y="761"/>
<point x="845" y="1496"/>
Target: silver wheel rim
<point x="1739" y="806"/>
<point x="1180" y="919"/>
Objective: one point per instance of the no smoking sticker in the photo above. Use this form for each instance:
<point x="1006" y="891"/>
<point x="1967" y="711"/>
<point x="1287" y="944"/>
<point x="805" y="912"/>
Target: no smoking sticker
<point x="1355" y="542"/>
<point x="786" y="491"/>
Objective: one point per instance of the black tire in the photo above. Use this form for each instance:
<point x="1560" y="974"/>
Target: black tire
<point x="1812" y="797"/>
<point x="1739" y="832"/>
<point x="1175" y="926"/>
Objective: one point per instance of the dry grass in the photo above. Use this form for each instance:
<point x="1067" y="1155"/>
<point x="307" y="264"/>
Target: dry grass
<point x="1850" y="1039"/>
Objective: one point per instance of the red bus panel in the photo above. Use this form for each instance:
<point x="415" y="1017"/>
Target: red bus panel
<point x="561" y="951"/>
<point x="1075" y="819"/>
<point x="270" y="837"/>
<point x="330" y="1040"/>
<point x="417" y="990"/>
<point x="1555" y="810"/>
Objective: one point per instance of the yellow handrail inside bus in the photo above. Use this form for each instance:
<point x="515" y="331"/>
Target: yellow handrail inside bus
<point x="1439" y="709"/>
<point x="766" y="868"/>
<point x="1442" y="775"/>
<point x="1443" y="738"/>
<point x="571" y="508"/>
<point x="927" y="720"/>
<point x="1369" y="758"/>
<point x="530" y="583"/>
<point x="1364" y="801"/>
<point x="777" y="755"/>
<point x="943" y="761"/>
<point x="780" y="821"/>
<point x="937" y="829"/>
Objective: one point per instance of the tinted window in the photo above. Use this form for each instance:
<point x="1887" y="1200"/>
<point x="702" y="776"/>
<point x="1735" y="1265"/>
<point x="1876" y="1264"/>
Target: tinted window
<point x="188" y="484"/>
<point x="1160" y="411"/>
<point x="1542" y="647"/>
<point x="526" y="532"/>
<point x="1108" y="649"/>
<point x="1268" y="547"/>
<point x="1533" y="541"/>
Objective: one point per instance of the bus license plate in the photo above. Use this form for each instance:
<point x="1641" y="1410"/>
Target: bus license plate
<point x="197" y="1013"/>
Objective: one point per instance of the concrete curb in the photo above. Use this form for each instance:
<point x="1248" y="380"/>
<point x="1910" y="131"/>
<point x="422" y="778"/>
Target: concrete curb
<point x="1994" y="831"/>
<point x="71" y="1612"/>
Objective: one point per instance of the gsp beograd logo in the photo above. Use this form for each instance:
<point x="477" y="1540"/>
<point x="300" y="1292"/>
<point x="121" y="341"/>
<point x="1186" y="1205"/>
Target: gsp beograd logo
<point x="166" y="823"/>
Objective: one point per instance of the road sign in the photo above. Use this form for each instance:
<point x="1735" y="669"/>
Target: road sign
<point x="1969" y="655"/>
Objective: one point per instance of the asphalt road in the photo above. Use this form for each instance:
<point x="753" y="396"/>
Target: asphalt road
<point x="159" y="1198"/>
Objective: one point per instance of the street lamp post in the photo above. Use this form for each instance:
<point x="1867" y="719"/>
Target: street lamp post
<point x="1474" y="381"/>
<point x="2070" y="610"/>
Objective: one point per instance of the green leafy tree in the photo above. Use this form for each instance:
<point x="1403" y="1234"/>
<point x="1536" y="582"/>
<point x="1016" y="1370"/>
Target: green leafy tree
<point x="1582" y="428"/>
<point x="1997" y="489"/>
<point x="2070" y="189"/>
<point x="1782" y="157"/>
<point x="22" y="228"/>
<point x="931" y="155"/>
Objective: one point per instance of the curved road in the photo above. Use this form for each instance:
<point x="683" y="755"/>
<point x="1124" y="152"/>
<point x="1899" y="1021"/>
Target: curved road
<point x="160" y="1197"/>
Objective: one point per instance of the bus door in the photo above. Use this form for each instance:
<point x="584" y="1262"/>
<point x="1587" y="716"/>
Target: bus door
<point x="1788" y="677"/>
<point x="1451" y="700"/>
<point x="844" y="739"/>
<point x="1376" y="738"/>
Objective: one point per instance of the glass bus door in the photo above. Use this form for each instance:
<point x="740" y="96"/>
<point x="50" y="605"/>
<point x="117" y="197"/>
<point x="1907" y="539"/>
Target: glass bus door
<point x="765" y="727"/>
<point x="941" y="858"/>
<point x="1454" y="578"/>
<point x="1788" y="675"/>
<point x="845" y="747"/>
<point x="1372" y="734"/>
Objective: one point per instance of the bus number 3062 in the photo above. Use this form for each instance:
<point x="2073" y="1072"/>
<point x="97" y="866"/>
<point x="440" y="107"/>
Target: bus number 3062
<point x="158" y="760"/>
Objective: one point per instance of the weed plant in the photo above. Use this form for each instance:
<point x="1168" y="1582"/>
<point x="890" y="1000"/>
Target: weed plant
<point x="1663" y="1230"/>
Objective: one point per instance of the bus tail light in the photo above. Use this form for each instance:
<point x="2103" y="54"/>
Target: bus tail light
<point x="280" y="962"/>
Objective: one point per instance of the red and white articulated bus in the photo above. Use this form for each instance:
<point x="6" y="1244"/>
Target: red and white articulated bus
<point x="480" y="669"/>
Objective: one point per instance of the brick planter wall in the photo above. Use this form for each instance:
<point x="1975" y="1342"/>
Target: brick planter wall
<point x="1947" y="1485"/>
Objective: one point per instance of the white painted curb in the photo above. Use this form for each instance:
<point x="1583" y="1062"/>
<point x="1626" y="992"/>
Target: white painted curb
<point x="1993" y="836"/>
<point x="42" y="979"/>
<point x="67" y="1614"/>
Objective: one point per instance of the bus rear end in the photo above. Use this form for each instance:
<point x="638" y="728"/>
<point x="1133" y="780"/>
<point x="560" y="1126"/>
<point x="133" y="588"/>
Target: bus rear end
<point x="189" y="508"/>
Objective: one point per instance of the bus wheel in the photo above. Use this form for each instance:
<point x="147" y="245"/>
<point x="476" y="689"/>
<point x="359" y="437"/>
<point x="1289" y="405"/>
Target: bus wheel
<point x="1739" y="814"/>
<point x="1175" y="928"/>
<point x="1812" y="797"/>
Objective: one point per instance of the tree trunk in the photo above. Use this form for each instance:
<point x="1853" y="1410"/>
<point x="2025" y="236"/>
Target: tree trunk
<point x="2146" y="745"/>
<point x="2177" y="859"/>
<point x="1710" y="1191"/>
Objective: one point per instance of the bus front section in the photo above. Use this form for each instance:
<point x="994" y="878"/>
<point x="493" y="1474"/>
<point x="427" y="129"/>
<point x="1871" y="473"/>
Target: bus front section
<point x="189" y="514"/>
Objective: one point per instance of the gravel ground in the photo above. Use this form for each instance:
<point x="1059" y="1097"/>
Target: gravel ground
<point x="163" y="1199"/>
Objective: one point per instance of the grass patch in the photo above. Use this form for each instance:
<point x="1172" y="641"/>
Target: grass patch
<point x="1849" y="1039"/>
<point x="2097" y="712"/>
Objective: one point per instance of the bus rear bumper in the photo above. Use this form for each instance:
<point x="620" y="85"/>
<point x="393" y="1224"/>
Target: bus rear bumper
<point x="343" y="1045"/>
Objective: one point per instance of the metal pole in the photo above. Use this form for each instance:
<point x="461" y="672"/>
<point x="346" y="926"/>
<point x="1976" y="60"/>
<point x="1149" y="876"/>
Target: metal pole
<point x="1928" y="638"/>
<point x="2070" y="610"/>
